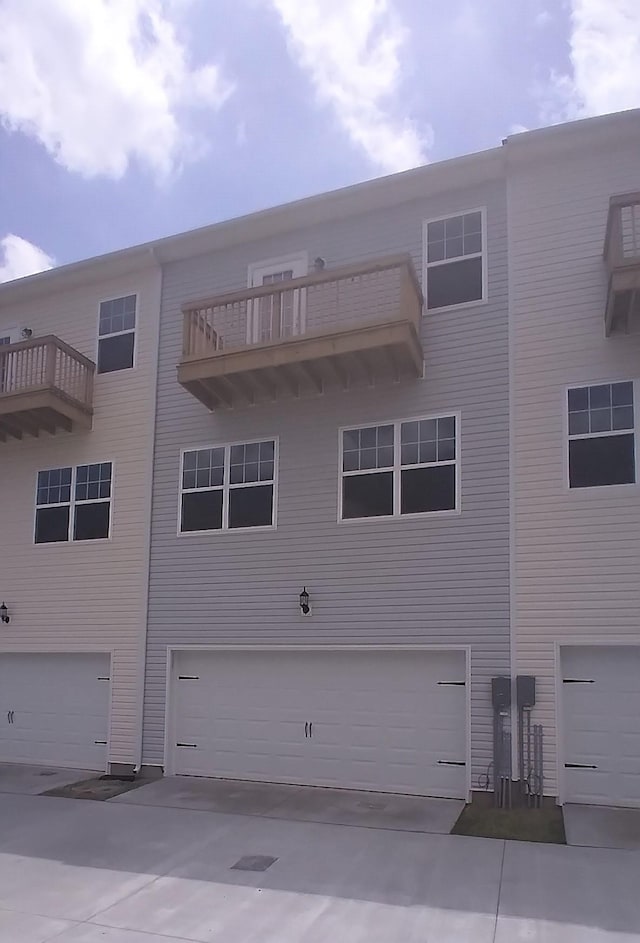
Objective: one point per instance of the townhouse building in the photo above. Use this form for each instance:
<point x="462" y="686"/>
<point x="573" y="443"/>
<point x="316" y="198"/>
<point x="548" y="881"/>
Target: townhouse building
<point x="329" y="588"/>
<point x="78" y="358"/>
<point x="298" y="497"/>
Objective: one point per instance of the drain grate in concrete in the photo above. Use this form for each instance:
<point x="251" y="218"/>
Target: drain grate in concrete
<point x="253" y="863"/>
<point x="47" y="772"/>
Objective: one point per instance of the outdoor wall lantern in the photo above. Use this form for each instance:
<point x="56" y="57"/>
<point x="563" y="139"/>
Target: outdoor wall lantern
<point x="305" y="608"/>
<point x="4" y="614"/>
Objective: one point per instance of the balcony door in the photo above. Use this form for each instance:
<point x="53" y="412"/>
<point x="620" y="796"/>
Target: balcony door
<point x="282" y="314"/>
<point x="7" y="369"/>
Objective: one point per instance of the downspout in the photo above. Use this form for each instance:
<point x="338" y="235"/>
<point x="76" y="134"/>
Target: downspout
<point x="149" y="468"/>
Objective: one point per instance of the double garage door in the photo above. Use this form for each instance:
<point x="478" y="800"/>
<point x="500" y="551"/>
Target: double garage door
<point x="54" y="709"/>
<point x="379" y="720"/>
<point x="601" y="724"/>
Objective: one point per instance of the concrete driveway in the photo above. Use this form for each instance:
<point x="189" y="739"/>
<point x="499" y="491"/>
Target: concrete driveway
<point x="300" y="803"/>
<point x="90" y="872"/>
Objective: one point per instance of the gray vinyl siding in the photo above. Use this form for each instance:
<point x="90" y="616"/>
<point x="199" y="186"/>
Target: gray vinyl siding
<point x="433" y="580"/>
<point x="576" y="552"/>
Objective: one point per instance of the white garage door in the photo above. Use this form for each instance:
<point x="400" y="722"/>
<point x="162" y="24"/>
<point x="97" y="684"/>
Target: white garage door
<point x="601" y="718"/>
<point x="54" y="709"/>
<point x="387" y="721"/>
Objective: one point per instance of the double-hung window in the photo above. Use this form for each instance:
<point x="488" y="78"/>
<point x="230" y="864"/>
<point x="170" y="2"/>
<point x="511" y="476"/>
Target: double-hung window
<point x="601" y="435"/>
<point x="400" y="468"/>
<point x="455" y="260"/>
<point x="116" y="334"/>
<point x="73" y="503"/>
<point x="228" y="487"/>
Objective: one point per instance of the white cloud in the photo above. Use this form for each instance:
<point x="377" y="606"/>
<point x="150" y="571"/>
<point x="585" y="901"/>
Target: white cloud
<point x="100" y="83"/>
<point x="605" y="59"/>
<point x="352" y="50"/>
<point x="543" y="18"/>
<point x="18" y="258"/>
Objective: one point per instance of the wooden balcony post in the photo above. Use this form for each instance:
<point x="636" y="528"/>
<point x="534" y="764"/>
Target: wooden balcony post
<point x="50" y="361"/>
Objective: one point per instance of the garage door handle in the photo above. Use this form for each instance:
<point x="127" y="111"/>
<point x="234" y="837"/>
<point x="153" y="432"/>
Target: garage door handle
<point x="451" y="763"/>
<point x="10" y="717"/>
<point x="579" y="766"/>
<point x="306" y="728"/>
<point x="310" y="728"/>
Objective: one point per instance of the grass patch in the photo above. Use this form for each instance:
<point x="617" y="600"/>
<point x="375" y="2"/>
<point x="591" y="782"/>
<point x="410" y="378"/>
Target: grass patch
<point x="520" y="824"/>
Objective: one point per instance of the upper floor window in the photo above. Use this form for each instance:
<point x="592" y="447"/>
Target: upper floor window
<point x="601" y="435"/>
<point x="73" y="503"/>
<point x="455" y="268"/>
<point x="116" y="334"/>
<point x="400" y="468"/>
<point x="227" y="487"/>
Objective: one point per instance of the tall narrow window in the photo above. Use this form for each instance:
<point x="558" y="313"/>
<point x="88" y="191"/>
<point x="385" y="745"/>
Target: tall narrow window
<point x="228" y="487"/>
<point x="400" y="468"/>
<point x="455" y="260"/>
<point x="116" y="334"/>
<point x="601" y="435"/>
<point x="73" y="503"/>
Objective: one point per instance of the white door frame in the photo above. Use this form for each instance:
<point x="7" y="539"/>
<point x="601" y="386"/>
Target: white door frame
<point x="169" y="718"/>
<point x="559" y="644"/>
<point x="298" y="262"/>
<point x="87" y="650"/>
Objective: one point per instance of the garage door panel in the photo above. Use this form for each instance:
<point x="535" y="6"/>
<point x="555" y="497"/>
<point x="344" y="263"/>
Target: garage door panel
<point x="58" y="706"/>
<point x="601" y="721"/>
<point x="380" y="720"/>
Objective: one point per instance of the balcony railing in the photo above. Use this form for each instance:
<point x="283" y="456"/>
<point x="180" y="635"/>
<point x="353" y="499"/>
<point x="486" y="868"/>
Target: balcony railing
<point x="357" y="323"/>
<point x="45" y="385"/>
<point x="622" y="256"/>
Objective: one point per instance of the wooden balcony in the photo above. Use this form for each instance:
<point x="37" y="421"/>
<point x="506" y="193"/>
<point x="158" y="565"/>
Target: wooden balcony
<point x="334" y="328"/>
<point x="622" y="256"/>
<point x="45" y="386"/>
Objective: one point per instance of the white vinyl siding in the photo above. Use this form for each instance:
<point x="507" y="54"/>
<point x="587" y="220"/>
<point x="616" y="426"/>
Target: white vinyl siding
<point x="576" y="550"/>
<point x="87" y="594"/>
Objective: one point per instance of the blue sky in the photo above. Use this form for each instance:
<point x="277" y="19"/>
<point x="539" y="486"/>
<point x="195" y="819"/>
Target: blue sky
<point x="125" y="120"/>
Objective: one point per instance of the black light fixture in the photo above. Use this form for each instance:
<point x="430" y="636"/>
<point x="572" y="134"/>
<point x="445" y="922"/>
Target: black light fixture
<point x="4" y="614"/>
<point x="26" y="333"/>
<point x="305" y="608"/>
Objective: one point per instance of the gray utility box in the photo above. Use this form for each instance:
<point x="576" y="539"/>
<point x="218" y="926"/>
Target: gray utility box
<point x="525" y="690"/>
<point x="501" y="692"/>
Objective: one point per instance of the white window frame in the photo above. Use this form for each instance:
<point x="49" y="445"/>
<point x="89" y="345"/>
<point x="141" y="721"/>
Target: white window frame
<point x="599" y="489"/>
<point x="122" y="294"/>
<point x="11" y="332"/>
<point x="426" y="265"/>
<point x="71" y="504"/>
<point x="227" y="486"/>
<point x="398" y="467"/>
<point x="299" y="263"/>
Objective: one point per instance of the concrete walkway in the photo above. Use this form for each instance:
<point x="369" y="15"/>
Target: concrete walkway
<point x="300" y="803"/>
<point x="90" y="872"/>
<point x="33" y="780"/>
<point x="598" y="826"/>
